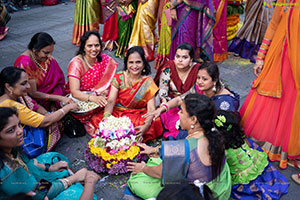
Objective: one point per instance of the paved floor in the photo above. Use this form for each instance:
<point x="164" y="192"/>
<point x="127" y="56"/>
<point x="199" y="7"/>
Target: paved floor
<point x="58" y="21"/>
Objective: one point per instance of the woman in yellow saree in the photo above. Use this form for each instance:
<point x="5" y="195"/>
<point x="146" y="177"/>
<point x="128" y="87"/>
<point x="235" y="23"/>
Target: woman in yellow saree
<point x="271" y="112"/>
<point x="144" y="26"/>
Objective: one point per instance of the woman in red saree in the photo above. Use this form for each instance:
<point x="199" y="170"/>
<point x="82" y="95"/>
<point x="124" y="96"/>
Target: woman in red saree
<point x="175" y="78"/>
<point x="271" y="112"/>
<point x="92" y="71"/>
<point x="46" y="79"/>
<point x="133" y="94"/>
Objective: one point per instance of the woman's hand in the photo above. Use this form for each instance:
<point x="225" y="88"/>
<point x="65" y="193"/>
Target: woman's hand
<point x="147" y="150"/>
<point x="257" y="69"/>
<point x="136" y="167"/>
<point x="91" y="177"/>
<point x="100" y="100"/>
<point x="154" y="114"/>
<point x="59" y="166"/>
<point x="66" y="100"/>
<point x="173" y="13"/>
<point x="72" y="106"/>
<point x="80" y="175"/>
<point x="140" y="130"/>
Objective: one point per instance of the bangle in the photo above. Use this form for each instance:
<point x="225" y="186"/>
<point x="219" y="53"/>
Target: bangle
<point x="47" y="166"/>
<point x="143" y="167"/>
<point x="106" y="115"/>
<point x="63" y="112"/>
<point x="89" y="98"/>
<point x="47" y="97"/>
<point x="165" y="105"/>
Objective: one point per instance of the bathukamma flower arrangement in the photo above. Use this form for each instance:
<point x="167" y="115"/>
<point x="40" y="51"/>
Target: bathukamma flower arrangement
<point x="113" y="146"/>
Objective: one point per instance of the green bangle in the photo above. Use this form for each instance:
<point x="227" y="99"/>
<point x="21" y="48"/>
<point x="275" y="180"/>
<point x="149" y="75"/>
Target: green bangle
<point x="106" y="115"/>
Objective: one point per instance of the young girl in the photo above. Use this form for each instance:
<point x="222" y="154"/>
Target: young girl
<point x="253" y="176"/>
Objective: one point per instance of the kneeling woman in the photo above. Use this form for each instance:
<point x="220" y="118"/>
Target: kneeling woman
<point x="199" y="157"/>
<point x="19" y="174"/>
<point x="132" y="94"/>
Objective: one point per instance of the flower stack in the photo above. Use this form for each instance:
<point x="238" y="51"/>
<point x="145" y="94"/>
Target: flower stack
<point x="113" y="146"/>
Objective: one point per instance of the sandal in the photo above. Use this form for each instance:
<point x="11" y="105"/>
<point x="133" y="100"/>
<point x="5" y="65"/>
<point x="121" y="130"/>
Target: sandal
<point x="294" y="163"/>
<point x="296" y="178"/>
<point x="2" y="36"/>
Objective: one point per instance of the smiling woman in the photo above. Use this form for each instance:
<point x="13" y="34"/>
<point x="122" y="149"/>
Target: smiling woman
<point x="91" y="70"/>
<point x="132" y="94"/>
<point x="45" y="76"/>
<point x="14" y="84"/>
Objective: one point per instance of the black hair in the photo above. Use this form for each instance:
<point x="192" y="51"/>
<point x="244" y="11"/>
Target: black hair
<point x="83" y="40"/>
<point x="40" y="40"/>
<point x="5" y="114"/>
<point x="184" y="191"/>
<point x="188" y="47"/>
<point x="204" y="109"/>
<point x="213" y="71"/>
<point x="231" y="130"/>
<point x="10" y="75"/>
<point x="20" y="196"/>
<point x="139" y="50"/>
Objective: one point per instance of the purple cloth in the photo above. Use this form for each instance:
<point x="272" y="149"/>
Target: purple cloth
<point x="194" y="27"/>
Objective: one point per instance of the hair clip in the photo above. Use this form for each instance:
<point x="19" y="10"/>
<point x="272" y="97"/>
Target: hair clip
<point x="220" y="120"/>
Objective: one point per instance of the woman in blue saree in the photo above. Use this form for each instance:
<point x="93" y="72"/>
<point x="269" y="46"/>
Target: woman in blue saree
<point x="18" y="174"/>
<point x="199" y="157"/>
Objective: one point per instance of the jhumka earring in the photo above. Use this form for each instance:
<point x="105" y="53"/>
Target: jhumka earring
<point x="214" y="88"/>
<point x="192" y="126"/>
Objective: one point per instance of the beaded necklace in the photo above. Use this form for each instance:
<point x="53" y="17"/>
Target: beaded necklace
<point x="37" y="63"/>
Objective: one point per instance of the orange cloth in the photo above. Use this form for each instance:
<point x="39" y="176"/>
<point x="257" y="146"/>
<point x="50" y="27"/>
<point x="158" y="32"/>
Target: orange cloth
<point x="132" y="102"/>
<point x="278" y="85"/>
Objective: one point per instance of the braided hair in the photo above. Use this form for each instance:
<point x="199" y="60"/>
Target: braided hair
<point x="228" y="123"/>
<point x="204" y="109"/>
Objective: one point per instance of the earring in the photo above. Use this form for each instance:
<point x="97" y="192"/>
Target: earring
<point x="144" y="70"/>
<point x="192" y="126"/>
<point x="191" y="64"/>
<point x="214" y="88"/>
<point x="10" y="92"/>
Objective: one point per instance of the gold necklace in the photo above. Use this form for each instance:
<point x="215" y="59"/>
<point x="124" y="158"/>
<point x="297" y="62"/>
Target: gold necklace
<point x="37" y="63"/>
<point x="195" y="133"/>
<point x="86" y="61"/>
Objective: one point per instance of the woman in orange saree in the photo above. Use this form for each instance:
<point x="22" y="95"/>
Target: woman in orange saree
<point x="133" y="95"/>
<point x="271" y="112"/>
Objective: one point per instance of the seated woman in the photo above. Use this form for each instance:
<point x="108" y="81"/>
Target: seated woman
<point x="208" y="83"/>
<point x="91" y="70"/>
<point x="175" y="78"/>
<point x="133" y="94"/>
<point x="19" y="174"/>
<point x="199" y="157"/>
<point x="253" y="176"/>
<point x="46" y="79"/>
<point x="14" y="84"/>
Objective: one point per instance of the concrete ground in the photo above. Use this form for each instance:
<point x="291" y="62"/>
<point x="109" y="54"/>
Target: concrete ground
<point x="58" y="21"/>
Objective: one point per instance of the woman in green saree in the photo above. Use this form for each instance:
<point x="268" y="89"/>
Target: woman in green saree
<point x="200" y="157"/>
<point x="18" y="174"/>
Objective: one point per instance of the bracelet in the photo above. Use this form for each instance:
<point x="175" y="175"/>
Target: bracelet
<point x="47" y="166"/>
<point x="143" y="167"/>
<point x="63" y="112"/>
<point x="165" y="105"/>
<point x="89" y="98"/>
<point x="47" y="97"/>
<point x="106" y="115"/>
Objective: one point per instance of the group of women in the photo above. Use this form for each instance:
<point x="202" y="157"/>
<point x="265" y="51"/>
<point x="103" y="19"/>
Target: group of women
<point x="189" y="94"/>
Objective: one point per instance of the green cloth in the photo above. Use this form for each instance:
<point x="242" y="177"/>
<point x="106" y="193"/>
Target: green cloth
<point x="143" y="185"/>
<point x="125" y="28"/>
<point x="15" y="179"/>
<point x="221" y="186"/>
<point x="245" y="164"/>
